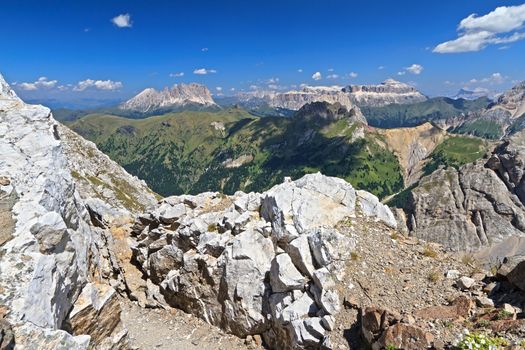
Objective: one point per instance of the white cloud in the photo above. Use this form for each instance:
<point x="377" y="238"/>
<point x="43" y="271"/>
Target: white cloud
<point x="177" y="75"/>
<point x="41" y="83"/>
<point x="204" y="71"/>
<point x="501" y="26"/>
<point x="381" y="67"/>
<point x="317" y="76"/>
<point x="332" y="76"/>
<point x="494" y="78"/>
<point x="272" y="81"/>
<point x="122" y="21"/>
<point x="415" y="69"/>
<point x="353" y="75"/>
<point x="232" y="89"/>
<point x="299" y="70"/>
<point x="204" y="49"/>
<point x="254" y="87"/>
<point x="330" y="69"/>
<point x="401" y="73"/>
<point x="218" y="88"/>
<point x="97" y="84"/>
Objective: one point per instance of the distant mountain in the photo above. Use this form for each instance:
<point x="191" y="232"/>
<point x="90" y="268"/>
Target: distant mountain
<point x="471" y="94"/>
<point x="295" y="99"/>
<point x="388" y="92"/>
<point x="180" y="95"/>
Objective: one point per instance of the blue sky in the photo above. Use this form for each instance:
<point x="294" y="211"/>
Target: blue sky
<point x="83" y="50"/>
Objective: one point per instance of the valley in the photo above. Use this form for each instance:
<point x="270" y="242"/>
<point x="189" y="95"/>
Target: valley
<point x="232" y="150"/>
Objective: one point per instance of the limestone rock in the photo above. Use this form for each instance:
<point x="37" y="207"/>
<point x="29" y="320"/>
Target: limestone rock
<point x="50" y="248"/>
<point x="465" y="282"/>
<point x="264" y="264"/>
<point x="513" y="269"/>
<point x="96" y="313"/>
<point x="284" y="276"/>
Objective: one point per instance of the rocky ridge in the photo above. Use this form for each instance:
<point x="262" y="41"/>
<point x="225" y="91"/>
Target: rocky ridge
<point x="49" y="249"/>
<point x="256" y="264"/>
<point x="179" y="95"/>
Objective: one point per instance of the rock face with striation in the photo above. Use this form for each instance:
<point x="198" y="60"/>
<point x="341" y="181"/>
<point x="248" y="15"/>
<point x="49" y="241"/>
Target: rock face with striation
<point x="388" y="92"/>
<point x="476" y="206"/>
<point x="294" y="100"/>
<point x="179" y="95"/>
<point x="256" y="263"/>
<point x="50" y="250"/>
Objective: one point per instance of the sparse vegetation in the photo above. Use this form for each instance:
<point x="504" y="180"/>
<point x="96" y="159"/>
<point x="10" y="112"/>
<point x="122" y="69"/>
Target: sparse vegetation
<point x="212" y="228"/>
<point x="483" y="323"/>
<point x="429" y="252"/>
<point x="481" y="341"/>
<point x="434" y="276"/>
<point x="503" y="315"/>
<point x="468" y="259"/>
<point x="354" y="256"/>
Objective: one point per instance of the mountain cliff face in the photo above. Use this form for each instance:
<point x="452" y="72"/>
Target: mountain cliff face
<point x="294" y="100"/>
<point x="178" y="96"/>
<point x="54" y="253"/>
<point x="473" y="206"/>
<point x="388" y="92"/>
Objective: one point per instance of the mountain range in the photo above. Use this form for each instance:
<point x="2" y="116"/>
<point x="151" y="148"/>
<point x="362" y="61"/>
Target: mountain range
<point x="93" y="259"/>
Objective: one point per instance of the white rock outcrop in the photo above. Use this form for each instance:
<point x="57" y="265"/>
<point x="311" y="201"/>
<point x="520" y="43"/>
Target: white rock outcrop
<point x="48" y="247"/>
<point x="257" y="263"/>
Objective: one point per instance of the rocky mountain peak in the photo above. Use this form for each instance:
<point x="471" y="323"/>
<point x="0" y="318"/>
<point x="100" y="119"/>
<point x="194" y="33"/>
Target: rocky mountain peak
<point x="5" y="90"/>
<point x="179" y="95"/>
<point x="471" y="94"/>
<point x="326" y="112"/>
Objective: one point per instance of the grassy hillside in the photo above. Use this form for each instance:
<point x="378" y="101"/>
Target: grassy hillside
<point x="456" y="151"/>
<point x="393" y="116"/>
<point x="230" y="150"/>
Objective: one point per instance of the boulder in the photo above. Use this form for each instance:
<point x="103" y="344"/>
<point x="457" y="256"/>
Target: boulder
<point x="465" y="282"/>
<point x="299" y="252"/>
<point x="284" y="276"/>
<point x="513" y="269"/>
